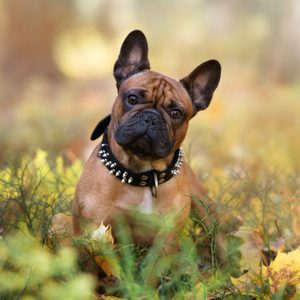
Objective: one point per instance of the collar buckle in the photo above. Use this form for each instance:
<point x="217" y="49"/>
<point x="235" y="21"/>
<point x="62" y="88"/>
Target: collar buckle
<point x="155" y="186"/>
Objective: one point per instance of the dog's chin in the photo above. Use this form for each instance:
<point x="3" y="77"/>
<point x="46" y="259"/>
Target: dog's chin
<point x="147" y="154"/>
<point x="145" y="149"/>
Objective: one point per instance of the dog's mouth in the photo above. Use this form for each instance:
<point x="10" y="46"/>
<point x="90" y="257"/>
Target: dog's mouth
<point x="145" y="135"/>
<point x="146" y="146"/>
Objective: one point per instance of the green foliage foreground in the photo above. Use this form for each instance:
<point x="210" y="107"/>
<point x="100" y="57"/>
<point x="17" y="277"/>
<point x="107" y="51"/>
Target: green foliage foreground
<point x="33" y="266"/>
<point x="38" y="263"/>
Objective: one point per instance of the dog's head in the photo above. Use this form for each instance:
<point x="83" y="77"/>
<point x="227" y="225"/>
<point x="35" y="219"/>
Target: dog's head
<point x="151" y="113"/>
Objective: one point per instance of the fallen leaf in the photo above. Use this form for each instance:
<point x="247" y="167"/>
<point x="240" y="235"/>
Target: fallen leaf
<point x="283" y="272"/>
<point x="103" y="238"/>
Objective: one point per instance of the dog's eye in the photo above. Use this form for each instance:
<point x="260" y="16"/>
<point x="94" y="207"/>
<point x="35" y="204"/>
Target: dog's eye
<point x="176" y="114"/>
<point x="132" y="99"/>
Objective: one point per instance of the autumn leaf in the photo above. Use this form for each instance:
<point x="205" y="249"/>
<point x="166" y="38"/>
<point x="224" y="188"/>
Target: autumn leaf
<point x="247" y="282"/>
<point x="102" y="237"/>
<point x="283" y="272"/>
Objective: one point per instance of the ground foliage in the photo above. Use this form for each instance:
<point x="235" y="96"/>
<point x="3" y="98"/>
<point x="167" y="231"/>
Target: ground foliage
<point x="243" y="148"/>
<point x="38" y="256"/>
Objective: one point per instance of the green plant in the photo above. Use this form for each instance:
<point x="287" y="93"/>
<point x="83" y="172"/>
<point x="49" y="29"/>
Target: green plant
<point x="36" y="264"/>
<point x="30" y="271"/>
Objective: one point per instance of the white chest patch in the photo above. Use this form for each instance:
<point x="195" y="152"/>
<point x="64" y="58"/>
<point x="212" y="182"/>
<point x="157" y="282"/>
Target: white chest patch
<point x="146" y="206"/>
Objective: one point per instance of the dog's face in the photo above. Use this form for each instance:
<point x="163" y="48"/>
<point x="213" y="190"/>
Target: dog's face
<point x="151" y="113"/>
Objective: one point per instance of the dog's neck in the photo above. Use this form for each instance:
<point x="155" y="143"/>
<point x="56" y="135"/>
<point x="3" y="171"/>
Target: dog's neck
<point x="134" y="171"/>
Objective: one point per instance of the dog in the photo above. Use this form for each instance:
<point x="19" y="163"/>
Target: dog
<point x="138" y="170"/>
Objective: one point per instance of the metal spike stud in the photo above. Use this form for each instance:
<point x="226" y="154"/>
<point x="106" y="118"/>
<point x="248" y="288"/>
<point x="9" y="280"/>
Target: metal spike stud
<point x="123" y="180"/>
<point x="118" y="173"/>
<point x="108" y="163"/>
<point x="112" y="171"/>
<point x="103" y="160"/>
<point x="130" y="180"/>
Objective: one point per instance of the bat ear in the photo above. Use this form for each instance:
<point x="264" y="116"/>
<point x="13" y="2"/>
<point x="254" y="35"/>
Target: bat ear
<point x="202" y="82"/>
<point x="133" y="57"/>
<point x="100" y="128"/>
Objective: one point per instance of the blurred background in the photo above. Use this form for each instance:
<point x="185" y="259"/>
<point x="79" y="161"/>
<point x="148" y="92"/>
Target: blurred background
<point x="56" y="83"/>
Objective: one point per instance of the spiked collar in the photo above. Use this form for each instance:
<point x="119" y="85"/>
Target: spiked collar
<point x="150" y="178"/>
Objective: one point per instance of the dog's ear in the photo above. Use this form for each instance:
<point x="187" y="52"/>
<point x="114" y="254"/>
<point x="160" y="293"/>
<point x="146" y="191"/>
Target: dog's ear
<point x="100" y="128"/>
<point x="133" y="57"/>
<point x="202" y="82"/>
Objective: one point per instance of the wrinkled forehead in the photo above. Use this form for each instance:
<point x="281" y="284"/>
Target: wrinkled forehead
<point x="158" y="87"/>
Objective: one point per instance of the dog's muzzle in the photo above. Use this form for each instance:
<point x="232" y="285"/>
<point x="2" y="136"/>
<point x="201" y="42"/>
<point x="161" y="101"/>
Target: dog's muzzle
<point x="145" y="134"/>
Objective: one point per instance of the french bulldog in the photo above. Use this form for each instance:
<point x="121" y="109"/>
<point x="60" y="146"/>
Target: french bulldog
<point x="139" y="168"/>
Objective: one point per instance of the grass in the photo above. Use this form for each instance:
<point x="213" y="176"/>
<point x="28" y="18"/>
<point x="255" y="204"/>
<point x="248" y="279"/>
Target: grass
<point x="244" y="150"/>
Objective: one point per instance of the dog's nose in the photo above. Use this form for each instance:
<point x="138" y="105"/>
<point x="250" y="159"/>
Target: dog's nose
<point x="151" y="117"/>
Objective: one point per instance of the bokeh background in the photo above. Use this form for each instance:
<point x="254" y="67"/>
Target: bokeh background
<point x="56" y="83"/>
<point x="56" y="60"/>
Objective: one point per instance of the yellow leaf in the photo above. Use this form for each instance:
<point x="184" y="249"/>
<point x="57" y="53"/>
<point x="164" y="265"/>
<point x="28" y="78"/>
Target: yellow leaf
<point x="102" y="237"/>
<point x="109" y="265"/>
<point x="59" y="165"/>
<point x="40" y="157"/>
<point x="283" y="272"/>
<point x="247" y="282"/>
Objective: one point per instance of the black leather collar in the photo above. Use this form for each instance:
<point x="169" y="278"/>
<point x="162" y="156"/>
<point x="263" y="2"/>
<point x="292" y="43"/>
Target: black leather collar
<point x="150" y="178"/>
